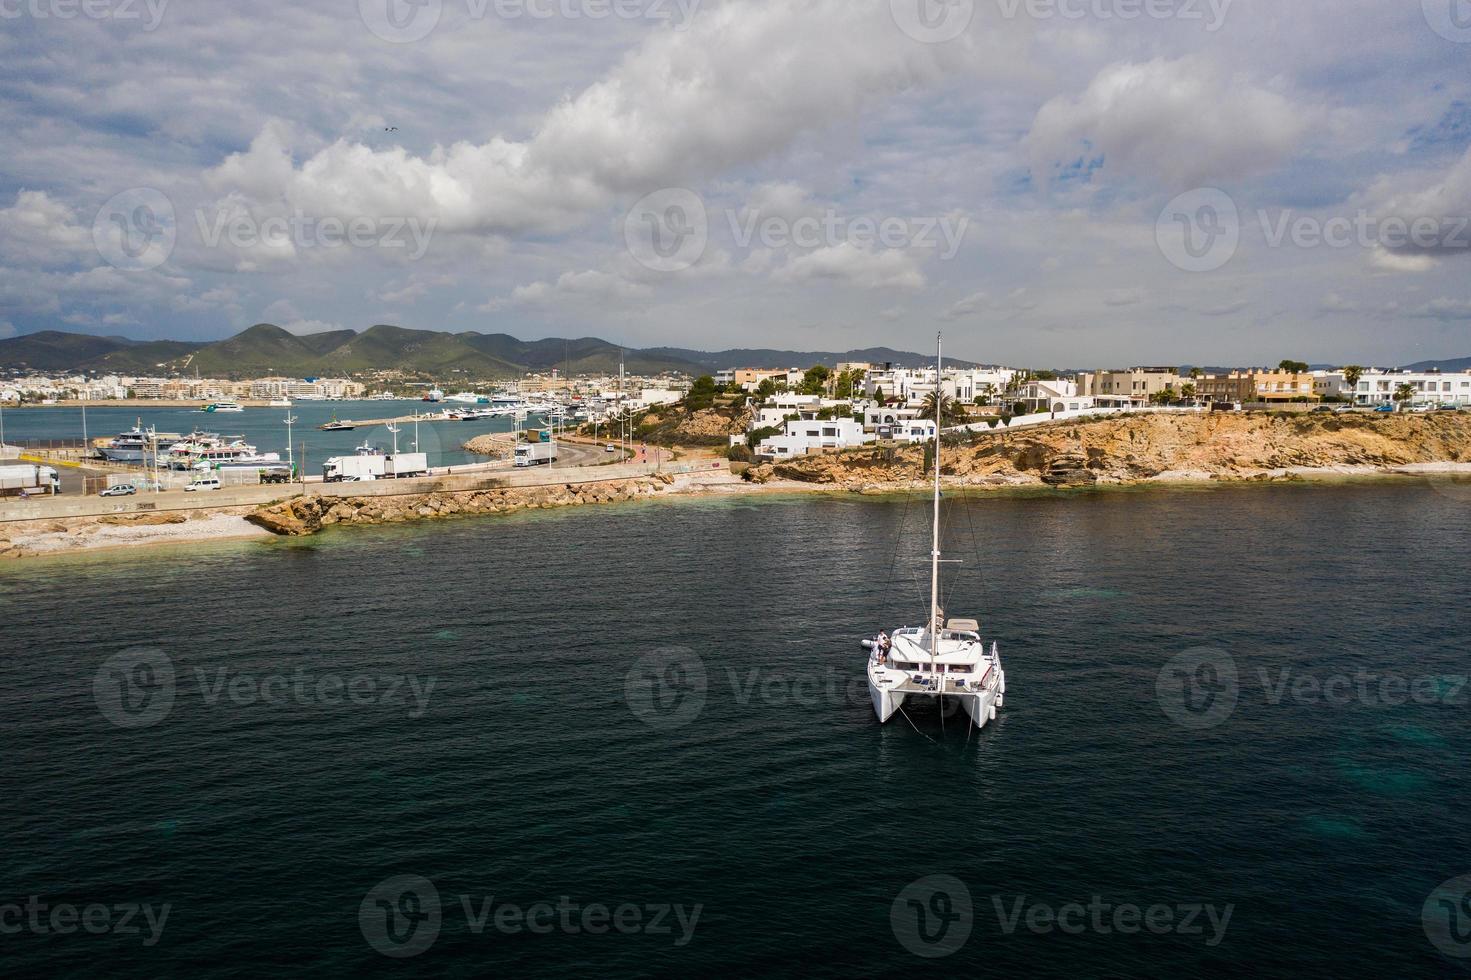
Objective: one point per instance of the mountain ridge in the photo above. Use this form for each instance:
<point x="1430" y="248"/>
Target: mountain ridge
<point x="265" y="349"/>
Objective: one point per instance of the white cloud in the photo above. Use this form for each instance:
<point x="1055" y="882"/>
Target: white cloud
<point x="969" y="306"/>
<point x="847" y="263"/>
<point x="1185" y="121"/>
<point x="588" y="285"/>
<point x="1124" y="297"/>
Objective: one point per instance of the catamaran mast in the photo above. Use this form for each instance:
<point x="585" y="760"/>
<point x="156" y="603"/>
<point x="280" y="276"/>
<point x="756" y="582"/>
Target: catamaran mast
<point x="935" y="540"/>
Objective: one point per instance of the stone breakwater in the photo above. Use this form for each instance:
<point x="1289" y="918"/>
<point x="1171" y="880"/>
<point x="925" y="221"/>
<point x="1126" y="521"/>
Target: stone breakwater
<point x="311" y="513"/>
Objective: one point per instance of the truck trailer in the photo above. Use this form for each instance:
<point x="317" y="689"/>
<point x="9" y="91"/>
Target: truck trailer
<point x="17" y="478"/>
<point x="536" y="453"/>
<point x="374" y="466"/>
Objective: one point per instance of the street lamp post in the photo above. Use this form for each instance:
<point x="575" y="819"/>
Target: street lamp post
<point x="290" y="420"/>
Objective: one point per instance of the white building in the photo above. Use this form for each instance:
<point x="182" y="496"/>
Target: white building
<point x="913" y="385"/>
<point x="802" y="437"/>
<point x="1331" y="384"/>
<point x="1379" y="387"/>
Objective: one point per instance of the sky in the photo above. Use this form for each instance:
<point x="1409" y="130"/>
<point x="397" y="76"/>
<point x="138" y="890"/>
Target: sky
<point x="1048" y="182"/>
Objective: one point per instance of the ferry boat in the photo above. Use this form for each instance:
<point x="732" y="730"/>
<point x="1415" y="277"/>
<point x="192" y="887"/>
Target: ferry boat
<point x="223" y="406"/>
<point x="336" y="426"/>
<point x="433" y="395"/>
<point x="214" y="449"/>
<point x="127" y="447"/>
<point x="942" y="659"/>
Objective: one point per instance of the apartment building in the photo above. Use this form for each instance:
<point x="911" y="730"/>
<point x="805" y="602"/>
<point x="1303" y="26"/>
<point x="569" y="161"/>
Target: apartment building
<point x="1139" y="383"/>
<point x="1379" y="388"/>
<point x="1268" y="385"/>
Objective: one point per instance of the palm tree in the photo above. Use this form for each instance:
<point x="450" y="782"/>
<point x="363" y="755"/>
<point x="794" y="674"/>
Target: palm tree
<point x="1351" y="375"/>
<point x="950" y="413"/>
<point x="1404" y="393"/>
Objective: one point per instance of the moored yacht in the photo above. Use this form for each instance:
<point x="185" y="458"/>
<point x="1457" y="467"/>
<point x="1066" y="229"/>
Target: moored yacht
<point x="942" y="659"/>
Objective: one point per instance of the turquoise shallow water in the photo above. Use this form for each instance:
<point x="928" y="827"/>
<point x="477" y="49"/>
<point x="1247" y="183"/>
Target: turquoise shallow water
<point x="660" y="705"/>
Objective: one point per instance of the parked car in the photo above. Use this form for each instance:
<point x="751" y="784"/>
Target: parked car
<point x="208" y="483"/>
<point x="119" y="490"/>
<point x="1384" y="408"/>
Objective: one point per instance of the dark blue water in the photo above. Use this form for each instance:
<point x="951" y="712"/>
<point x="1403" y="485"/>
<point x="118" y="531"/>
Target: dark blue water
<point x="265" y="428"/>
<point x="648" y="706"/>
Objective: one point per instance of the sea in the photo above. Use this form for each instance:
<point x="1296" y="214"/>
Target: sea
<point x="634" y="741"/>
<point x="265" y="428"/>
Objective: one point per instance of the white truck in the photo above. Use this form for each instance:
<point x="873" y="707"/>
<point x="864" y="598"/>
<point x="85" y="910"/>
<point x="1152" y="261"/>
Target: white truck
<point x="536" y="453"/>
<point x="16" y="478"/>
<point x="375" y="466"/>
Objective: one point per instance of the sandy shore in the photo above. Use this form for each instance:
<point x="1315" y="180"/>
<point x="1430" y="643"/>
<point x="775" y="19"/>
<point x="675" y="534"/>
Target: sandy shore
<point x="43" y="538"/>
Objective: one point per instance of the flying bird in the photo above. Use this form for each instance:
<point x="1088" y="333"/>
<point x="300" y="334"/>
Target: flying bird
<point x="390" y="129"/>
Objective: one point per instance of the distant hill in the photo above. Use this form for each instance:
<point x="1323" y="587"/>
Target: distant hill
<point x="766" y="358"/>
<point x="1453" y="365"/>
<point x="267" y="349"/>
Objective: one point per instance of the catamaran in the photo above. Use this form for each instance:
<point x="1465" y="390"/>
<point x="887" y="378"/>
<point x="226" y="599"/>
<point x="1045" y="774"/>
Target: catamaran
<point x="944" y="658"/>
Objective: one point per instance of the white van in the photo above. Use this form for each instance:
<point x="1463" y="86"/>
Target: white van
<point x="204" y="483"/>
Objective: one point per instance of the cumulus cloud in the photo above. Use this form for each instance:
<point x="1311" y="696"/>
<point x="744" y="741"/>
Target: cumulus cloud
<point x="967" y="307"/>
<point x="847" y="263"/>
<point x="591" y="284"/>
<point x="39" y="230"/>
<point x="739" y="85"/>
<point x="1185" y="121"/>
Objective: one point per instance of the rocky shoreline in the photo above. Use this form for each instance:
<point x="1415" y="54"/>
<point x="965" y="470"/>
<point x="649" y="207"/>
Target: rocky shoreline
<point x="311" y="513"/>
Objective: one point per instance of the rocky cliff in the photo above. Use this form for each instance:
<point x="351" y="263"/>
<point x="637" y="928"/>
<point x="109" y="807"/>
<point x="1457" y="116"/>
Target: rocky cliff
<point x="1130" y="449"/>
